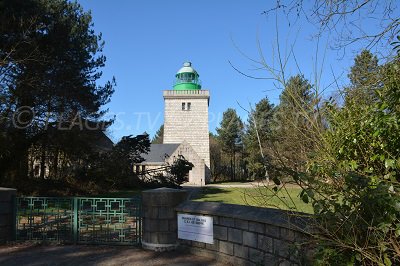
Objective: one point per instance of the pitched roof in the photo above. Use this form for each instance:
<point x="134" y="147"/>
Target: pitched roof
<point x="101" y="142"/>
<point x="158" y="152"/>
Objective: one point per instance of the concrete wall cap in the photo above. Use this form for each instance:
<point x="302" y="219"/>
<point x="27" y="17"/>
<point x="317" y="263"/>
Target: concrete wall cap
<point x="280" y="218"/>
<point x="7" y="189"/>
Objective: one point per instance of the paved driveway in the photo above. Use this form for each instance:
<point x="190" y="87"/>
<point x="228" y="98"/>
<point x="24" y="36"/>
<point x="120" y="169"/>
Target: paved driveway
<point x="29" y="254"/>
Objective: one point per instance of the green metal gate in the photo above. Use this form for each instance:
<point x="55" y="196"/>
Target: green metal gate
<point x="87" y="220"/>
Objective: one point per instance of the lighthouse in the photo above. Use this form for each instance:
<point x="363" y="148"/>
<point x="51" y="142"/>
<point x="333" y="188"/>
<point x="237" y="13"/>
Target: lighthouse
<point x="186" y="118"/>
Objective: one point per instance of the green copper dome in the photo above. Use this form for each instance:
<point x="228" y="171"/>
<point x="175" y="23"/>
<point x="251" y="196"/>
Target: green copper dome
<point x="187" y="78"/>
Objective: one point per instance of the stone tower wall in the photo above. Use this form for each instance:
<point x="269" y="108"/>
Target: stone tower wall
<point x="188" y="125"/>
<point x="197" y="174"/>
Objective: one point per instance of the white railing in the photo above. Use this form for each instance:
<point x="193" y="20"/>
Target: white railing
<point x="185" y="92"/>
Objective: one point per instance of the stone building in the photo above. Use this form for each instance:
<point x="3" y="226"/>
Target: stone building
<point x="185" y="127"/>
<point x="52" y="162"/>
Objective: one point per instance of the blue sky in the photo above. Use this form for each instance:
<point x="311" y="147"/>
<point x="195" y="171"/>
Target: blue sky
<point x="146" y="42"/>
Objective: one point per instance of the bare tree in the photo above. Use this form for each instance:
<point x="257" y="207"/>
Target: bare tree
<point x="347" y="21"/>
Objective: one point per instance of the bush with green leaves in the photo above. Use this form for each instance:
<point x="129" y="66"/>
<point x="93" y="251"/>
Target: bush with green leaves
<point x="353" y="183"/>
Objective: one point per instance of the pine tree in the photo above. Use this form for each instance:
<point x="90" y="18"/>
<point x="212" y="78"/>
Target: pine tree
<point x="364" y="78"/>
<point x="51" y="60"/>
<point x="230" y="136"/>
<point x="159" y="136"/>
<point x="216" y="163"/>
<point x="258" y="131"/>
<point x="292" y="134"/>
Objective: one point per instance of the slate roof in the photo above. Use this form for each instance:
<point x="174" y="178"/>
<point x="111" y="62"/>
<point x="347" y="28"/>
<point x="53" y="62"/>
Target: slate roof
<point x="158" y="152"/>
<point x="101" y="142"/>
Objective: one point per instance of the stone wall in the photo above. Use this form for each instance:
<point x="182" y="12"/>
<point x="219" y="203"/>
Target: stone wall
<point x="188" y="125"/>
<point x="7" y="215"/>
<point x="159" y="218"/>
<point x="197" y="174"/>
<point x="245" y="235"/>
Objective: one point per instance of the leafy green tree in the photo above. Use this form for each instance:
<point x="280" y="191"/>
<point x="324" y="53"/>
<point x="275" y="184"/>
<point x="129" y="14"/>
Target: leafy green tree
<point x="179" y="170"/>
<point x="396" y="45"/>
<point x="230" y="136"/>
<point x="360" y="171"/>
<point x="116" y="166"/>
<point x="352" y="178"/>
<point x="159" y="136"/>
<point x="173" y="175"/>
<point x="344" y="156"/>
<point x="216" y="160"/>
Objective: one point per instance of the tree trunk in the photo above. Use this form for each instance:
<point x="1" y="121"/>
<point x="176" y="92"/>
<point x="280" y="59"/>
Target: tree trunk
<point x="55" y="163"/>
<point x="42" y="162"/>
<point x="231" y="171"/>
<point x="234" y="166"/>
<point x="43" y="157"/>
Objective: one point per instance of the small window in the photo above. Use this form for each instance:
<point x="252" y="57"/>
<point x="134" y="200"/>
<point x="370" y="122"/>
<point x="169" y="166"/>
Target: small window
<point x="183" y="107"/>
<point x="37" y="170"/>
<point x="137" y="169"/>
<point x="189" y="105"/>
<point x="143" y="168"/>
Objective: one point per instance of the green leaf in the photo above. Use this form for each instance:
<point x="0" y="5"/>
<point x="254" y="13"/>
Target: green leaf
<point x="358" y="257"/>
<point x="317" y="208"/>
<point x="389" y="163"/>
<point x="304" y="198"/>
<point x="383" y="106"/>
<point x="386" y="260"/>
<point x="374" y="157"/>
<point x="310" y="193"/>
<point x="276" y="181"/>
<point x="397" y="232"/>
<point x="353" y="164"/>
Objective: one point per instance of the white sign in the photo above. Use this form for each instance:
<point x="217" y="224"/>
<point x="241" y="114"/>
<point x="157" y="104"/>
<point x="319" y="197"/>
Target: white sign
<point x="195" y="227"/>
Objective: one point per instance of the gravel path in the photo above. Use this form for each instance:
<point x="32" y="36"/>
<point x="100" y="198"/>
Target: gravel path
<point x="33" y="255"/>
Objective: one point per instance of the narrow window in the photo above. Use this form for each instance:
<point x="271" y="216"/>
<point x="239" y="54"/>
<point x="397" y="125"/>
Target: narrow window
<point x="37" y="170"/>
<point x="188" y="106"/>
<point x="143" y="168"/>
<point x="137" y="169"/>
<point x="183" y="107"/>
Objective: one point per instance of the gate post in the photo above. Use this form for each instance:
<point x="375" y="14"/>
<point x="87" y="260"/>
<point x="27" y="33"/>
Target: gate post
<point x="7" y="214"/>
<point x="159" y="218"/>
<point x="75" y="221"/>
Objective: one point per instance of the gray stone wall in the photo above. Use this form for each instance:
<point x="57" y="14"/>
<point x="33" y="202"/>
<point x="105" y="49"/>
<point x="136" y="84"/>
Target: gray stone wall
<point x="188" y="125"/>
<point x="7" y="215"/>
<point x="159" y="218"/>
<point x="245" y="235"/>
<point x="197" y="174"/>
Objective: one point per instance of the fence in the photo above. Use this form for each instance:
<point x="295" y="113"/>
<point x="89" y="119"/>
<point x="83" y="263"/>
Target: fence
<point x="79" y="220"/>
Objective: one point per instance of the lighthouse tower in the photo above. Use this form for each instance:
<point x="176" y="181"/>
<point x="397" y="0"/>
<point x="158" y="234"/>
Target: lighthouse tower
<point x="186" y="116"/>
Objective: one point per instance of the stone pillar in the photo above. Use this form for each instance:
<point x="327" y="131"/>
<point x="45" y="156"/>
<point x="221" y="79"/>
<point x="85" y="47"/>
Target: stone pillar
<point x="160" y="231"/>
<point x="7" y="214"/>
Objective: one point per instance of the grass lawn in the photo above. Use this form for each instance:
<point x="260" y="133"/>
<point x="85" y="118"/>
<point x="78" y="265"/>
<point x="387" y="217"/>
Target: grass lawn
<point x="285" y="198"/>
<point x="230" y="182"/>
